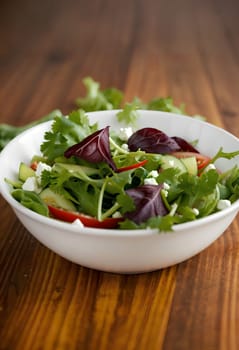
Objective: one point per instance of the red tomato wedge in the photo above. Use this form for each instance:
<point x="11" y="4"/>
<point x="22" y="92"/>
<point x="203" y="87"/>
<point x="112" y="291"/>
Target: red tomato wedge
<point x="202" y="161"/>
<point x="132" y="166"/>
<point x="88" y="221"/>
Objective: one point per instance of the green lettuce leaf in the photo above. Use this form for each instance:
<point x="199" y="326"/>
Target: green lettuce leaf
<point x="8" y="132"/>
<point x="97" y="99"/>
<point x="31" y="200"/>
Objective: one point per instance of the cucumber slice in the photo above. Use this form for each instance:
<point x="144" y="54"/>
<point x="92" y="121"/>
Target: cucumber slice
<point x="77" y="168"/>
<point x="173" y="162"/>
<point x="25" y="171"/>
<point x="56" y="200"/>
<point x="190" y="164"/>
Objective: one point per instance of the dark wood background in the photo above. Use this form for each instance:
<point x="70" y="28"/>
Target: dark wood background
<point x="187" y="49"/>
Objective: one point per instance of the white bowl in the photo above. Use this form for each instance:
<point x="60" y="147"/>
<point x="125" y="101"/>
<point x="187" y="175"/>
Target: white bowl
<point x="124" y="251"/>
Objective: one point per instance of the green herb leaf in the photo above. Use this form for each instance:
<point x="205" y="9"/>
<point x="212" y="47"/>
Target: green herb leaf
<point x="86" y="195"/>
<point x="126" y="202"/>
<point x="96" y="99"/>
<point x="226" y="155"/>
<point x="129" y="115"/>
<point x="230" y="182"/>
<point x="8" y="132"/>
<point x="65" y="132"/>
<point x="31" y="200"/>
<point x="165" y="105"/>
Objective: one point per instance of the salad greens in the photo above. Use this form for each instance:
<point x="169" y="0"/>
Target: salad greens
<point x="101" y="179"/>
<point x="98" y="99"/>
<point x="8" y="132"/>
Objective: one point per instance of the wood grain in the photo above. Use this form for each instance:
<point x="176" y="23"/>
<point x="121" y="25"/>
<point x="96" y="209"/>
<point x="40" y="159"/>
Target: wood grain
<point x="188" y="50"/>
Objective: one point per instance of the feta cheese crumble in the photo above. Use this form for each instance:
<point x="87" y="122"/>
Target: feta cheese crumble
<point x="196" y="211"/>
<point x="117" y="215"/>
<point x="31" y="184"/>
<point x="125" y="133"/>
<point x="223" y="204"/>
<point x="166" y="186"/>
<point x="164" y="192"/>
<point x="40" y="168"/>
<point x="125" y="147"/>
<point x="153" y="173"/>
<point x="150" y="181"/>
<point x="210" y="167"/>
<point x="78" y="223"/>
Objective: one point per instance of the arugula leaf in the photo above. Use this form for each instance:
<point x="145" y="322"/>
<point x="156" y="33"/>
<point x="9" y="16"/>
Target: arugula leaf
<point x="86" y="195"/>
<point x="222" y="154"/>
<point x="96" y="99"/>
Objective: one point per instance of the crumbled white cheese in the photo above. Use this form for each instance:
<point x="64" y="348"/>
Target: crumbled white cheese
<point x="78" y="223"/>
<point x="210" y="167"/>
<point x="40" y="168"/>
<point x="223" y="204"/>
<point x="164" y="192"/>
<point x="150" y="181"/>
<point x="117" y="215"/>
<point x="171" y="163"/>
<point x="153" y="173"/>
<point x="173" y="210"/>
<point x="31" y="184"/>
<point x="125" y="133"/>
<point x="166" y="186"/>
<point x="196" y="211"/>
<point x="125" y="147"/>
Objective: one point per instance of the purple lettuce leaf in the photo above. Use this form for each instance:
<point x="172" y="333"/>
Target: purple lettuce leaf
<point x="94" y="148"/>
<point x="148" y="203"/>
<point x="184" y="145"/>
<point x="152" y="140"/>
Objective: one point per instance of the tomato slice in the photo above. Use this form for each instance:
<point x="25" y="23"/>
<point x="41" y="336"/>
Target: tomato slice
<point x="132" y="166"/>
<point x="88" y="221"/>
<point x="33" y="165"/>
<point x="202" y="161"/>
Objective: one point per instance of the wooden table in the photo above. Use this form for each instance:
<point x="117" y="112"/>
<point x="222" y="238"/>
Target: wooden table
<point x="187" y="49"/>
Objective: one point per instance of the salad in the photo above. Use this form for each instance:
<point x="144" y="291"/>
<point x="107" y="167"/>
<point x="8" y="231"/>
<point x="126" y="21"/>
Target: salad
<point x="129" y="179"/>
